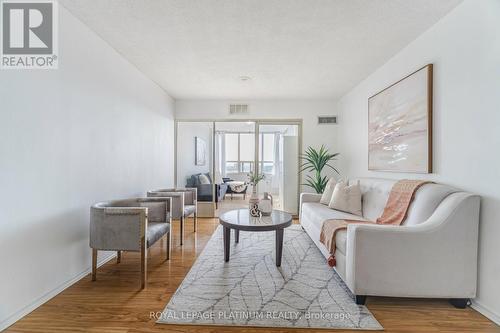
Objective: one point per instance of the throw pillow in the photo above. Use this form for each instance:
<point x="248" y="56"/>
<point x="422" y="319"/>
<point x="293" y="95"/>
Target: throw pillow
<point x="347" y="198"/>
<point x="209" y="178"/>
<point x="190" y="182"/>
<point x="203" y="179"/>
<point x="327" y="193"/>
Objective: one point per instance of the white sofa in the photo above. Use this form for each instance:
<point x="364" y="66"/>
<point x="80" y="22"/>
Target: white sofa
<point x="432" y="254"/>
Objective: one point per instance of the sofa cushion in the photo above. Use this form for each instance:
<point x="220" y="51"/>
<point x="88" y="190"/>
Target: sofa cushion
<point x="203" y="179"/>
<point x="156" y="230"/>
<point x="347" y="198"/>
<point x="375" y="192"/>
<point x="316" y="213"/>
<point x="327" y="193"/>
<point x="190" y="182"/>
<point x="209" y="177"/>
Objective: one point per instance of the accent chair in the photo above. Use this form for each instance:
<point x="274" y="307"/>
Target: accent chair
<point x="184" y="204"/>
<point x="129" y="225"/>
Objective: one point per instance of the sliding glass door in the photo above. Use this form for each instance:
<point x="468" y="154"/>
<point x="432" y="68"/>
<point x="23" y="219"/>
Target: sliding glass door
<point x="216" y="157"/>
<point x="234" y="159"/>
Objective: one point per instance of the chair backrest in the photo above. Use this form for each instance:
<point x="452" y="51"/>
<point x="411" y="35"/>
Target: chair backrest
<point x="190" y="194"/>
<point x="157" y="210"/>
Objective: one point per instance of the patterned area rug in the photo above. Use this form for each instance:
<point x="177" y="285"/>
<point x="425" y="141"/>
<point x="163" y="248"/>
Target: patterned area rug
<point x="250" y="290"/>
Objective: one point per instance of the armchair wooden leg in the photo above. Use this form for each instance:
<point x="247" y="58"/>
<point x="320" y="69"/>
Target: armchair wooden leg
<point x="182" y="230"/>
<point x="195" y="221"/>
<point x="94" y="264"/>
<point x="118" y="257"/>
<point x="144" y="263"/>
<point x="168" y="245"/>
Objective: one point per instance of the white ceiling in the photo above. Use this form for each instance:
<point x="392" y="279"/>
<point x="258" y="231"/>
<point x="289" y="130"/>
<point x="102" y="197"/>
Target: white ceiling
<point x="290" y="48"/>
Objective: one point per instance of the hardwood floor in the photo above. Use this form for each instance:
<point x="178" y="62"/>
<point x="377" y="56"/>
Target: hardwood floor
<point x="115" y="304"/>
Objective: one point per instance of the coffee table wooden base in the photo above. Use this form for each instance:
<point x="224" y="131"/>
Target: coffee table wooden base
<point x="227" y="243"/>
<point x="279" y="246"/>
<point x="241" y="220"/>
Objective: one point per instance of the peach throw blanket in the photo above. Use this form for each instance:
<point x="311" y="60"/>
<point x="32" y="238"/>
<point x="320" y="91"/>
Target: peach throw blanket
<point x="395" y="212"/>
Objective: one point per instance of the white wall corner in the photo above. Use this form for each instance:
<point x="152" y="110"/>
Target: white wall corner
<point x="485" y="311"/>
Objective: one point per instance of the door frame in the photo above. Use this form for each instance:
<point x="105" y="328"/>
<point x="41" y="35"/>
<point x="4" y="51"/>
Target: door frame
<point x="258" y="122"/>
<point x="299" y="138"/>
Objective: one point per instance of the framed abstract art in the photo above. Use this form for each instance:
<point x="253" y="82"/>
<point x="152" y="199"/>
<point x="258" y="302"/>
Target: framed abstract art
<point x="200" y="148"/>
<point x="400" y="125"/>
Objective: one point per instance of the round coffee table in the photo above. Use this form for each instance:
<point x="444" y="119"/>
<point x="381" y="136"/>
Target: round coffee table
<point x="240" y="219"/>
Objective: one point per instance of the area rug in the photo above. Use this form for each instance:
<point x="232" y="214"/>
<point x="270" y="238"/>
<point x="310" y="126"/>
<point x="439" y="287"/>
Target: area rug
<point x="250" y="290"/>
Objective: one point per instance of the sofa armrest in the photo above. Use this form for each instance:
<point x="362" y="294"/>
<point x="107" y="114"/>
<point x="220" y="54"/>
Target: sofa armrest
<point x="437" y="258"/>
<point x="117" y="228"/>
<point x="307" y="197"/>
<point x="222" y="189"/>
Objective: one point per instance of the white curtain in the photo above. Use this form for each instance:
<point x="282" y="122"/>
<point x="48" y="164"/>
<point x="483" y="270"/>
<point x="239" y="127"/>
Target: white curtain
<point x="277" y="184"/>
<point x="220" y="157"/>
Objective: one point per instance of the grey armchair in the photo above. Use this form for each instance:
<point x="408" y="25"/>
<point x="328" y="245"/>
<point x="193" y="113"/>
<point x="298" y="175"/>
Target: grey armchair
<point x="129" y="225"/>
<point x="184" y="204"/>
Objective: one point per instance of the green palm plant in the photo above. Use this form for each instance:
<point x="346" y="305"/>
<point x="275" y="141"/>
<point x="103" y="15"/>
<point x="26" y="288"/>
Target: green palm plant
<point x="315" y="161"/>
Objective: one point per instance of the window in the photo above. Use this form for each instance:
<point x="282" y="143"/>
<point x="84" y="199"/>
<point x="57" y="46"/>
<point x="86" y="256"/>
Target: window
<point x="267" y="167"/>
<point x="232" y="147"/>
<point x="231" y="167"/>
<point x="246" y="167"/>
<point x="247" y="147"/>
<point x="240" y="152"/>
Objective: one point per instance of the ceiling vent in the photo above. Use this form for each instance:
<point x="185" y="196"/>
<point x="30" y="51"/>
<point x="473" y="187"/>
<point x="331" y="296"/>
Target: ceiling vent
<point x="327" y="120"/>
<point x="238" y="108"/>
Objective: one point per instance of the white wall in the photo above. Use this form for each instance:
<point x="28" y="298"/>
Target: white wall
<point x="94" y="129"/>
<point x="312" y="134"/>
<point x="465" y="50"/>
<point x="186" y="167"/>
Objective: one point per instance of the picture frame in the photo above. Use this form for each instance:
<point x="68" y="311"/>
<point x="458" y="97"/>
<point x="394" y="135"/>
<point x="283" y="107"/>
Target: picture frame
<point x="200" y="148"/>
<point x="400" y="125"/>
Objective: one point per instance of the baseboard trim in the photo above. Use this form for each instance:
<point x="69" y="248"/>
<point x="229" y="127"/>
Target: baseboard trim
<point x="51" y="294"/>
<point x="485" y="311"/>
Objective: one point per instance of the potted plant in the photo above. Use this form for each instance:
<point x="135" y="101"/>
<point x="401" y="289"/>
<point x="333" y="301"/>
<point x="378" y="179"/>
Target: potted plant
<point x="315" y="161"/>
